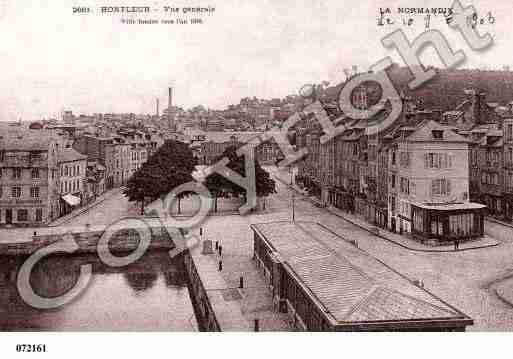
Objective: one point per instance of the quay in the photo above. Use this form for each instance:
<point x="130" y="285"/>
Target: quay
<point x="120" y="241"/>
<point x="282" y="276"/>
<point x="227" y="290"/>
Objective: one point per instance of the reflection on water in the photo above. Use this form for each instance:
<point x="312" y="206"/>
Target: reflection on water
<point x="150" y="294"/>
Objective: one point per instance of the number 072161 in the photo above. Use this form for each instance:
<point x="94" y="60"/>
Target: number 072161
<point x="31" y="348"/>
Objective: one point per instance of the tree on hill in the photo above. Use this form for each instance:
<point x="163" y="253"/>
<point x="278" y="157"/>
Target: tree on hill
<point x="220" y="186"/>
<point x="171" y="166"/>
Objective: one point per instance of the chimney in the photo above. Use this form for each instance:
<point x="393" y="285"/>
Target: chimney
<point x="475" y="101"/>
<point x="158" y="112"/>
<point x="169" y="105"/>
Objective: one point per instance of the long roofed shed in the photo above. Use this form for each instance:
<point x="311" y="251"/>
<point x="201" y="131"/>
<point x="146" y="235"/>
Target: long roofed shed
<point x="349" y="287"/>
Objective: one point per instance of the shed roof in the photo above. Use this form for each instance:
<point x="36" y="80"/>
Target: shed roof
<point x="352" y="286"/>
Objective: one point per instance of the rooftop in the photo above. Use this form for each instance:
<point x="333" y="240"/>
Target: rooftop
<point x="20" y="139"/>
<point x="70" y="155"/>
<point x="424" y="133"/>
<point x="351" y="285"/>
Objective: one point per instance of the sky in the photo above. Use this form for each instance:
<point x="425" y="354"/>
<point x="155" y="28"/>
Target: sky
<point x="54" y="60"/>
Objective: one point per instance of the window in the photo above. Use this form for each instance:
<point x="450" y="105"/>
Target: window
<point x="441" y="187"/>
<point x="34" y="192"/>
<point x="35" y="155"/>
<point x="438" y="160"/>
<point x="495" y="179"/>
<point x="1" y="191"/>
<point x="392" y="203"/>
<point x="461" y="225"/>
<point x="404" y="159"/>
<point x="35" y="173"/>
<point x="22" y="215"/>
<point x="16" y="192"/>
<point x="39" y="214"/>
<point x="438" y="134"/>
<point x="404" y="185"/>
<point x="16" y="172"/>
<point x="437" y="227"/>
<point x="418" y="221"/>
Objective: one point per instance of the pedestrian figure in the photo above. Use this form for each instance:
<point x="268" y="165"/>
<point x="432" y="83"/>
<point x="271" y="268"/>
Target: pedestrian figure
<point x="457" y="240"/>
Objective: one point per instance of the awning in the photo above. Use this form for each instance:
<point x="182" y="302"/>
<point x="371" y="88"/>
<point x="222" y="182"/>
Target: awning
<point x="71" y="200"/>
<point x="450" y="206"/>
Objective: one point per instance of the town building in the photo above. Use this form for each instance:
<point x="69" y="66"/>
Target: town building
<point x="508" y="168"/>
<point x="99" y="149"/>
<point x="213" y="144"/>
<point x="29" y="178"/>
<point x="114" y="153"/>
<point x="72" y="179"/>
<point x="429" y="185"/>
<point x="95" y="181"/>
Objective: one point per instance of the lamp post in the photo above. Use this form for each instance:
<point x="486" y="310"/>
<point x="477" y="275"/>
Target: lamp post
<point x="293" y="210"/>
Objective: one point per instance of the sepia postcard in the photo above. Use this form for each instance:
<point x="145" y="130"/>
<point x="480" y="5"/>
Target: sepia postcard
<point x="254" y="166"/>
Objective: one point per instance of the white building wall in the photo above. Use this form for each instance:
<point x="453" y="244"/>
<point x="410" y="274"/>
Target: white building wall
<point x="421" y="177"/>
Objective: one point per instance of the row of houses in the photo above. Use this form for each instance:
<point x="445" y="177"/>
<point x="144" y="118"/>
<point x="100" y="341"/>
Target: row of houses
<point x="432" y="174"/>
<point x="209" y="146"/>
<point x="45" y="175"/>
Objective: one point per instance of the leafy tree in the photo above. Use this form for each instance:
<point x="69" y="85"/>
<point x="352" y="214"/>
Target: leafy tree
<point x="171" y="166"/>
<point x="220" y="186"/>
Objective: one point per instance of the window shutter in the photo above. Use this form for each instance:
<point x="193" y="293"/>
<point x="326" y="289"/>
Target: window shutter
<point x="448" y="186"/>
<point x="426" y="160"/>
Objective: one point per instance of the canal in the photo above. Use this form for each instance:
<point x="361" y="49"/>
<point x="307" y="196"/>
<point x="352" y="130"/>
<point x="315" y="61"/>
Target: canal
<point x="148" y="295"/>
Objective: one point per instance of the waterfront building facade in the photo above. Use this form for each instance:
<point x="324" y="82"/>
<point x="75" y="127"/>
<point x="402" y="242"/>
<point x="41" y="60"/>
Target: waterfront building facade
<point x="72" y="178"/>
<point x="29" y="191"/>
<point x="508" y="168"/>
